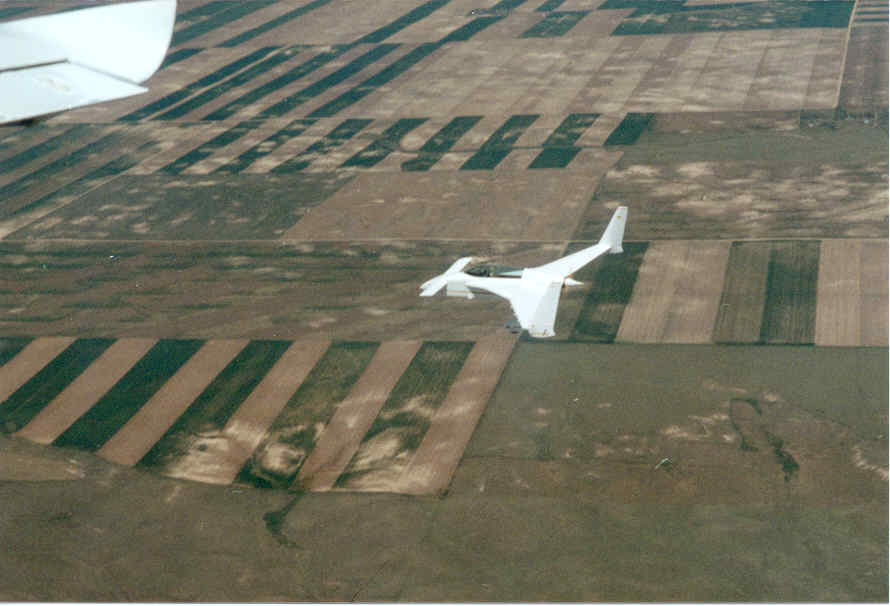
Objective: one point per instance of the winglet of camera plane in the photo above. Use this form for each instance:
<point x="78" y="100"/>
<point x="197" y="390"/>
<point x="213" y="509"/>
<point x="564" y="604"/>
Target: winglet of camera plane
<point x="53" y="63"/>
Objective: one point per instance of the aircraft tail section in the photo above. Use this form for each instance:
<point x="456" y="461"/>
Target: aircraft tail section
<point x="610" y="242"/>
<point x="614" y="234"/>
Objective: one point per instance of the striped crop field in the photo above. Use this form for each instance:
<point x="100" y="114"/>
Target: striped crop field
<point x="792" y="292"/>
<point x="261" y="412"/>
<point x="365" y="415"/>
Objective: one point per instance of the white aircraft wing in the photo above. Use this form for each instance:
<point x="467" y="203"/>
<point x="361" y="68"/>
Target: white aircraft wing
<point x="57" y="62"/>
<point x="49" y="89"/>
<point x="570" y="264"/>
<point x="534" y="300"/>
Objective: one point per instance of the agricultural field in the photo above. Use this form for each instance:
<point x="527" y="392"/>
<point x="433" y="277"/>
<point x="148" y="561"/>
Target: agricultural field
<point x="218" y="383"/>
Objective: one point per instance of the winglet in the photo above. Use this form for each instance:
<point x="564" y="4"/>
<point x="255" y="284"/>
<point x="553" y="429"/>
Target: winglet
<point x="614" y="233"/>
<point x="434" y="285"/>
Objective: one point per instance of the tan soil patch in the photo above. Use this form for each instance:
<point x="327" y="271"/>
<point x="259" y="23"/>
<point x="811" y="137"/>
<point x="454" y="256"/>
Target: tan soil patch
<point x="469" y="205"/>
<point x="852" y="293"/>
<point x="716" y="200"/>
<point x="677" y="293"/>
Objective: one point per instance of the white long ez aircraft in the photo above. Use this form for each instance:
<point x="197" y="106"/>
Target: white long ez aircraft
<point x="533" y="292"/>
<point x="53" y="63"/>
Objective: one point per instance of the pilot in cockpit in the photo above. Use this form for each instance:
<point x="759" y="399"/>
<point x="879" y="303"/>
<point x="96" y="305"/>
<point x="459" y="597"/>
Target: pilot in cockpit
<point x="491" y="270"/>
<point x="480" y="270"/>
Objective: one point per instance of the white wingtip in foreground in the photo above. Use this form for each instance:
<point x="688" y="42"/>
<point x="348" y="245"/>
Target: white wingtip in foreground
<point x="53" y="63"/>
<point x="533" y="292"/>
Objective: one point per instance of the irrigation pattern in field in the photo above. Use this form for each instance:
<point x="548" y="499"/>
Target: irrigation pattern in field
<point x="317" y="415"/>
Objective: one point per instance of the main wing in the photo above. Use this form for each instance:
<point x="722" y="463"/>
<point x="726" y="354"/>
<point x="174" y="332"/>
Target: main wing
<point x="570" y="264"/>
<point x="533" y="298"/>
<point x="57" y="62"/>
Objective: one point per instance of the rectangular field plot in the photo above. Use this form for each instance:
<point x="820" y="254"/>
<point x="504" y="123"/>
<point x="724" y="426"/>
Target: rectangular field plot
<point x="852" y="293"/>
<point x="592" y="421"/>
<point x="677" y="293"/>
<point x="769" y="294"/>
<point x="790" y="306"/>
<point x="744" y="293"/>
<point x="185" y="207"/>
<point x="795" y="192"/>
<point x="874" y="293"/>
<point x="484" y="205"/>
<point x="613" y="284"/>
<point x="864" y="86"/>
